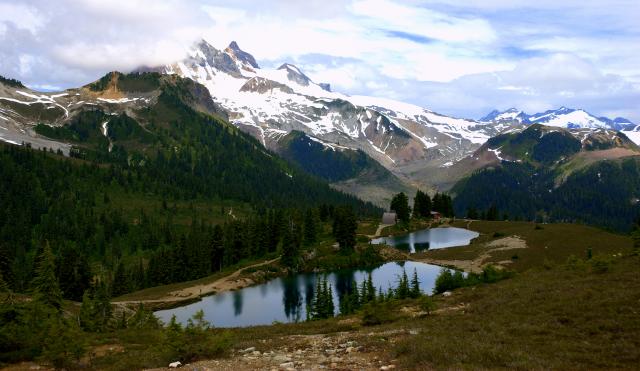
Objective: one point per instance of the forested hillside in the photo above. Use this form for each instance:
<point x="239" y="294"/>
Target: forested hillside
<point x="121" y="210"/>
<point x="605" y="194"/>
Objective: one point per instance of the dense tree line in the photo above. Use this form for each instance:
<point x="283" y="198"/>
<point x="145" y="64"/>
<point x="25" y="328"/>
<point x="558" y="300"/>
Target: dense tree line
<point x="11" y="82"/>
<point x="44" y="329"/>
<point x="422" y="205"/>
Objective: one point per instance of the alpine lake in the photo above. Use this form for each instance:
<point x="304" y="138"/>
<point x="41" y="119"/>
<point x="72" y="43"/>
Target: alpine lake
<point x="285" y="299"/>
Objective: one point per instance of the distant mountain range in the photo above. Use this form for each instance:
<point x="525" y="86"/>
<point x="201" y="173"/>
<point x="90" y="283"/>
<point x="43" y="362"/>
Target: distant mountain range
<point x="304" y="121"/>
<point x="562" y="117"/>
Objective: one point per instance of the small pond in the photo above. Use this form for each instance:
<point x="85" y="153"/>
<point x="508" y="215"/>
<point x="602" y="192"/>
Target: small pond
<point x="434" y="238"/>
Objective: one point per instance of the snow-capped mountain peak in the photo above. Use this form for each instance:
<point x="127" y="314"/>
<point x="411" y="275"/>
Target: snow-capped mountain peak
<point x="568" y="118"/>
<point x="241" y="56"/>
<point x="512" y="114"/>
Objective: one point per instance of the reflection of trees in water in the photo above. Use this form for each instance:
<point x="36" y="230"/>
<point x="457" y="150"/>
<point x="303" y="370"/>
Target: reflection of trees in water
<point x="264" y="290"/>
<point x="344" y="281"/>
<point x="237" y="302"/>
<point x="401" y="263"/>
<point x="309" y="288"/>
<point x="291" y="298"/>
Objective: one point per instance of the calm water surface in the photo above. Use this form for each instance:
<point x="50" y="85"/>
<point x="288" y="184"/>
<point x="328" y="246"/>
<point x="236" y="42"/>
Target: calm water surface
<point x="435" y="238"/>
<point x="285" y="299"/>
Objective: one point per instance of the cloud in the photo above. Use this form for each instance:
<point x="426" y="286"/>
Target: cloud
<point x="69" y="43"/>
<point x="460" y="58"/>
<point x="534" y="85"/>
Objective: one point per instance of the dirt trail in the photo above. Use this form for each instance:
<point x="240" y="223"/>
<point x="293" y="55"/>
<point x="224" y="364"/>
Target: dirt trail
<point x="379" y="230"/>
<point x="226" y="283"/>
<point x="476" y="265"/>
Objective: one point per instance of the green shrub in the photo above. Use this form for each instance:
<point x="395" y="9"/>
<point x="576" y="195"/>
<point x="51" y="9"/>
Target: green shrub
<point x="427" y="304"/>
<point x="376" y="314"/>
<point x="195" y="341"/>
<point x="447" y="281"/>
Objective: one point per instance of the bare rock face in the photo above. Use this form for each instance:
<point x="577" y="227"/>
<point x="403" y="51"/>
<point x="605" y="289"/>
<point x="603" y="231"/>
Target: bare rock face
<point x="294" y="74"/>
<point x="325" y="86"/>
<point x="234" y="50"/>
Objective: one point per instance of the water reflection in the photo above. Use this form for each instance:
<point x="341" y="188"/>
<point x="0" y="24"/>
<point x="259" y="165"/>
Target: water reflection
<point x="291" y="298"/>
<point x="435" y="238"/>
<point x="237" y="302"/>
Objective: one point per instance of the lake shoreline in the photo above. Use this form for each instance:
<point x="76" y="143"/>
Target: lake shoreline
<point x="239" y="280"/>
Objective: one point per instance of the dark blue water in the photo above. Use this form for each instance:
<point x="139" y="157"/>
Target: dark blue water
<point x="285" y="299"/>
<point x="435" y="238"/>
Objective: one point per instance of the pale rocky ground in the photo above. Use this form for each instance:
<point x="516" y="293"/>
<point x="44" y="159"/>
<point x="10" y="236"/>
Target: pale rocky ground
<point x="342" y="351"/>
<point x="476" y="265"/>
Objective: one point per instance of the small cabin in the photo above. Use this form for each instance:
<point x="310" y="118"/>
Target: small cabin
<point x="436" y="215"/>
<point x="389" y="218"/>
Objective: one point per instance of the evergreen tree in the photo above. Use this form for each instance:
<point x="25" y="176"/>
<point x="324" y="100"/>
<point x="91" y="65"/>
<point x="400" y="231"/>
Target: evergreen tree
<point x="492" y="213"/>
<point x="310" y="227"/>
<point x="356" y="299"/>
<point x="415" y="285"/>
<point x="73" y="272"/>
<point x="120" y="281"/>
<point x="63" y="343"/>
<point x="370" y="290"/>
<point x="443" y="204"/>
<point x="421" y="205"/>
<point x="403" y="291"/>
<point x="101" y="307"/>
<point x="139" y="276"/>
<point x="322" y="303"/>
<point x="217" y="249"/>
<point x="87" y="313"/>
<point x="291" y="246"/>
<point x="400" y="204"/>
<point x="344" y="228"/>
<point x="472" y="213"/>
<point x="45" y="284"/>
<point x="351" y="300"/>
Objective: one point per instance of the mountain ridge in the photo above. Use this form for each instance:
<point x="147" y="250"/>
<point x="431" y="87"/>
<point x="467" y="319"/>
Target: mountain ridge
<point x="404" y="138"/>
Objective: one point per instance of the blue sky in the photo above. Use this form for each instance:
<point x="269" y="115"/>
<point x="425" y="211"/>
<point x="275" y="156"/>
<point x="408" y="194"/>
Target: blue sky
<point x="461" y="58"/>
